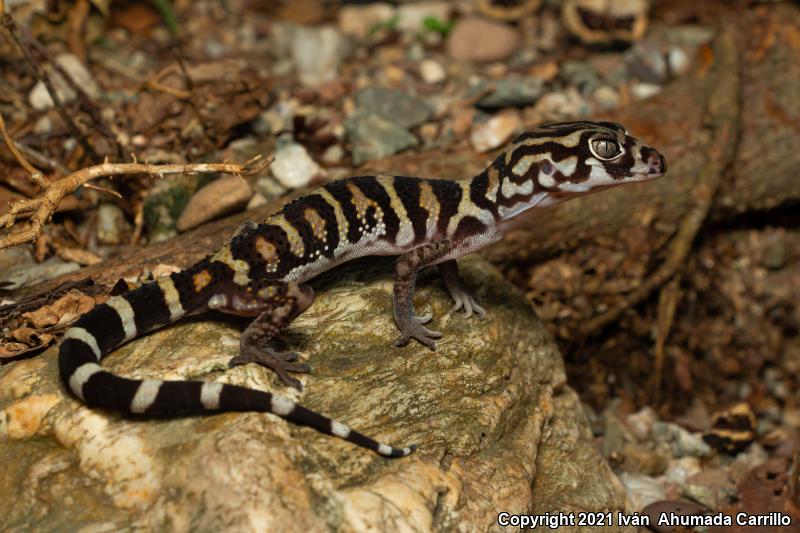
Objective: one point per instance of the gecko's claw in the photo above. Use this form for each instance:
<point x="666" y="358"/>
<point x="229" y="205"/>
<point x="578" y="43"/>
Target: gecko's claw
<point x="465" y="301"/>
<point x="280" y="362"/>
<point x="412" y="328"/>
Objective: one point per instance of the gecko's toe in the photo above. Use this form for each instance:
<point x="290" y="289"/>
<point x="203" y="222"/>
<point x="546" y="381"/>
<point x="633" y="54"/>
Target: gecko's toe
<point x="280" y="362"/>
<point x="414" y="329"/>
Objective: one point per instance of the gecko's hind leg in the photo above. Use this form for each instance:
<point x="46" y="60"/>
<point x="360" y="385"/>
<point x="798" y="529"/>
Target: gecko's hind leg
<point x="462" y="298"/>
<point x="275" y="305"/>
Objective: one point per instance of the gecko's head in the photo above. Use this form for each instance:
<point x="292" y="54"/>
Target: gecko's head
<point x="571" y="158"/>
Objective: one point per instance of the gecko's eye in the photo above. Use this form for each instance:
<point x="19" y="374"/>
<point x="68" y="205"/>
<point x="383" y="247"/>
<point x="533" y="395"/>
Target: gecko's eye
<point x="605" y="149"/>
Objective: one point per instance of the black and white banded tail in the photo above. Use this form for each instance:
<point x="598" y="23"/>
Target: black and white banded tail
<point x="125" y="317"/>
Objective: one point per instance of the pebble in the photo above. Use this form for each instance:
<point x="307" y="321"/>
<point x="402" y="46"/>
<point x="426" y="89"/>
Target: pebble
<point x="112" y="226"/>
<point x="643" y="91"/>
<point x="579" y="73"/>
<point x="359" y="21"/>
<point x="39" y="97"/>
<point x="317" y="53"/>
<point x="398" y="107"/>
<point x="432" y="71"/>
<point x="682" y="442"/>
<point x="293" y="166"/>
<point x="225" y="195"/>
<point x="269" y="188"/>
<point x="606" y="97"/>
<point x="641" y="490"/>
<point x="680" y="470"/>
<point x="561" y="105"/>
<point x="373" y="137"/>
<point x="641" y="422"/>
<point x="496" y="131"/>
<point x="643" y="460"/>
<point x="475" y="39"/>
<point x="509" y="92"/>
<point x="754" y="456"/>
<point x="709" y="487"/>
<point x="411" y="17"/>
<point x="333" y="154"/>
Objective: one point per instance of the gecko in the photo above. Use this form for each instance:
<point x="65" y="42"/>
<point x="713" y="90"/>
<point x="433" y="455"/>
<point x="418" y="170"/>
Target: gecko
<point x="262" y="271"/>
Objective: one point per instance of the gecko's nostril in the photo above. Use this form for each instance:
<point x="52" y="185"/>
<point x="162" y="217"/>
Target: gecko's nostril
<point x="657" y="163"/>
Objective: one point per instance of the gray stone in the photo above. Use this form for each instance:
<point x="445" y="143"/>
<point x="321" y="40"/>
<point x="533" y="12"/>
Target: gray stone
<point x="39" y="96"/>
<point x="509" y="92"/>
<point x="395" y="106"/>
<point x="683" y="443"/>
<point x="579" y="74"/>
<point x="317" y="53"/>
<point x="373" y="137"/>
<point x="642" y="490"/>
<point x="496" y="425"/>
<point x="112" y="226"/>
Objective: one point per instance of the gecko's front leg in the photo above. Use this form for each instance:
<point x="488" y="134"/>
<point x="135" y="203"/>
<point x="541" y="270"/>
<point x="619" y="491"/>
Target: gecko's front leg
<point x="275" y="305"/>
<point x="411" y="326"/>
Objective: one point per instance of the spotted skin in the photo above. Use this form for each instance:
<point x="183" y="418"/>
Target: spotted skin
<point x="261" y="272"/>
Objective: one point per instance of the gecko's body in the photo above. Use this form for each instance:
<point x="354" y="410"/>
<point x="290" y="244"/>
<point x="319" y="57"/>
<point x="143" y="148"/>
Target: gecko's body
<point x="261" y="271"/>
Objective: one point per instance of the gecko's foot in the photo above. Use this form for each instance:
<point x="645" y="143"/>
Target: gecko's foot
<point x="280" y="362"/>
<point x="412" y="328"/>
<point x="464" y="300"/>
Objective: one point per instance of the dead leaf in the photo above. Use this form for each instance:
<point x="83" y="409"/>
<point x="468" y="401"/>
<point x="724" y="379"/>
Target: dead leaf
<point x="63" y="311"/>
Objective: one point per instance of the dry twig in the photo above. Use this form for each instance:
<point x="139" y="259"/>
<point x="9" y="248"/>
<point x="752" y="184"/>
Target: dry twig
<point x="40" y="209"/>
<point x="36" y="175"/>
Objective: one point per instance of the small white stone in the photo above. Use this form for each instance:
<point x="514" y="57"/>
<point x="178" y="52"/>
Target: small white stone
<point x="293" y="167"/>
<point x="432" y="71"/>
<point x="496" y="131"/>
<point x="39" y="97"/>
<point x="643" y="91"/>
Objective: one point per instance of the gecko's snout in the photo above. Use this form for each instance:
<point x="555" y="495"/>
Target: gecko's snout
<point x="657" y="164"/>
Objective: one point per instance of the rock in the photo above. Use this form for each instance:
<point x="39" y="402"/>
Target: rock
<point x="475" y="39"/>
<point x="580" y="74"/>
<point x="39" y="97"/>
<point x="710" y="488"/>
<point x="492" y="433"/>
<point x="397" y="107"/>
<point x="317" y="53"/>
<point x="509" y="92"/>
<point x="641" y="422"/>
<point x="568" y="104"/>
<point x="754" y="456"/>
<point x="640" y="459"/>
<point x="19" y="269"/>
<point x="167" y="200"/>
<point x="360" y="20"/>
<point x="112" y="226"/>
<point x="496" y="131"/>
<point x="293" y="166"/>
<point x="411" y="17"/>
<point x="643" y="91"/>
<point x="373" y="137"/>
<point x="641" y="490"/>
<point x="432" y="71"/>
<point x="222" y="196"/>
<point x="333" y="154"/>
<point x="680" y="470"/>
<point x="683" y="443"/>
<point x="606" y="97"/>
<point x="615" y="435"/>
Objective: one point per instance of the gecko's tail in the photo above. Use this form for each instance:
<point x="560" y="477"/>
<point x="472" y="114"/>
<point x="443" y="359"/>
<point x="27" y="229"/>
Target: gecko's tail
<point x="123" y="318"/>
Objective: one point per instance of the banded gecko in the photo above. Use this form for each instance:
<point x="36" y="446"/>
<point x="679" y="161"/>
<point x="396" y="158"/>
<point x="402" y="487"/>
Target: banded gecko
<point x="262" y="270"/>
